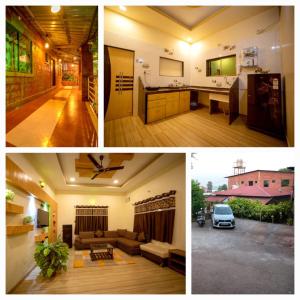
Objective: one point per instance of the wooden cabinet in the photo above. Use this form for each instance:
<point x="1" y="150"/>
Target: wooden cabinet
<point x="176" y="260"/>
<point x="164" y="105"/>
<point x="184" y="101"/>
<point x="172" y="104"/>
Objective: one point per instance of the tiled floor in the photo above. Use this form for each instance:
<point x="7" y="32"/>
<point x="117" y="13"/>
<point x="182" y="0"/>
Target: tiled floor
<point x="59" y="121"/>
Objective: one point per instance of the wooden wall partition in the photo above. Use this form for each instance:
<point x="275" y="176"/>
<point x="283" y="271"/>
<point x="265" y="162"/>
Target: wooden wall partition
<point x="19" y="179"/>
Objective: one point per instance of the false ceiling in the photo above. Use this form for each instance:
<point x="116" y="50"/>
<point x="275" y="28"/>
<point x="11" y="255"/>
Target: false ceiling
<point x="65" y="30"/>
<point x="188" y="16"/>
<point x="70" y="172"/>
<point x="189" y="23"/>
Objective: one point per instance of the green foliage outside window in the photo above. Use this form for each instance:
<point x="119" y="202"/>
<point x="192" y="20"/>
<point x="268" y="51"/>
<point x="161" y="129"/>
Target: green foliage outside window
<point x="223" y="66"/>
<point x="18" y="51"/>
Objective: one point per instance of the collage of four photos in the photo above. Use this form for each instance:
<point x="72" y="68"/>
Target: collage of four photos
<point x="157" y="158"/>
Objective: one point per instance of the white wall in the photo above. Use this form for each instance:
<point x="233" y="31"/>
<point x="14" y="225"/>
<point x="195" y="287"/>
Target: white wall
<point x="173" y="179"/>
<point x="117" y="219"/>
<point x="242" y="35"/>
<point x="20" y="248"/>
<point x="149" y="45"/>
<point x="287" y="59"/>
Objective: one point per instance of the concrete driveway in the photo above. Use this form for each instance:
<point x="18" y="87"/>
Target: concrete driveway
<point x="253" y="258"/>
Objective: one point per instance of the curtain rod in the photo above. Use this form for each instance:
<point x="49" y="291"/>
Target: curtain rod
<point x="90" y="206"/>
<point x="157" y="197"/>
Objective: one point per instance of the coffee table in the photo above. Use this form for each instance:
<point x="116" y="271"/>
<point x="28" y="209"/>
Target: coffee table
<point x="101" y="251"/>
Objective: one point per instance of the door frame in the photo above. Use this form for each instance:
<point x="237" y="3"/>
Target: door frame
<point x="108" y="46"/>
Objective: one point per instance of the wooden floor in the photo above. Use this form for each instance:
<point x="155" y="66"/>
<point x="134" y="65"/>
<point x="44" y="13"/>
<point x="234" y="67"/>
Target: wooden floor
<point x="143" y="277"/>
<point x="194" y="129"/>
<point x="73" y="128"/>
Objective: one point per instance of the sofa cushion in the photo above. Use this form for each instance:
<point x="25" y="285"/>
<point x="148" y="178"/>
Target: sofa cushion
<point x="121" y="232"/>
<point x="86" y="234"/>
<point x="129" y="243"/>
<point x="98" y="241"/>
<point x="99" y="233"/>
<point x="141" y="237"/>
<point x="131" y="235"/>
<point x="110" y="234"/>
<point x="156" y="249"/>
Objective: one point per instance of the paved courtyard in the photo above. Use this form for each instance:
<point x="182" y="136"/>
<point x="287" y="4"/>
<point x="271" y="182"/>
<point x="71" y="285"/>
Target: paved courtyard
<point x="253" y="258"/>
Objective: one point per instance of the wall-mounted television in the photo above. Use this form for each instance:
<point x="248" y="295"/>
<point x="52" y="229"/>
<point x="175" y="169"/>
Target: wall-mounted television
<point x="42" y="218"/>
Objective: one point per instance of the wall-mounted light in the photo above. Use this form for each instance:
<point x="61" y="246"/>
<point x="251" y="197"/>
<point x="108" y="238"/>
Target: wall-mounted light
<point x="123" y="8"/>
<point x="55" y="9"/>
<point x="116" y="181"/>
<point x="198" y="69"/>
<point x="42" y="184"/>
<point x="46" y="45"/>
<point x="72" y="179"/>
<point x="59" y="60"/>
<point x="169" y="51"/>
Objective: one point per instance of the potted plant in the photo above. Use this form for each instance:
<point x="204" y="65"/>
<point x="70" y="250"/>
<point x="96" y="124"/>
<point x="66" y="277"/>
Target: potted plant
<point x="51" y="258"/>
<point x="27" y="220"/>
<point x="10" y="195"/>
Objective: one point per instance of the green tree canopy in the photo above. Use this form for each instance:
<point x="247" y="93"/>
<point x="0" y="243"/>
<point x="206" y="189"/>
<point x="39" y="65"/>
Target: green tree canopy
<point x="197" y="197"/>
<point x="222" y="187"/>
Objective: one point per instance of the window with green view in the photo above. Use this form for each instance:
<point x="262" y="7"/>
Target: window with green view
<point x="221" y="66"/>
<point x="18" y="51"/>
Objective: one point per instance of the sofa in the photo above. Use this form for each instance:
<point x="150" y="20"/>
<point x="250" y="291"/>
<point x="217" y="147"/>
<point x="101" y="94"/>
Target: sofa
<point x="127" y="241"/>
<point x="157" y="252"/>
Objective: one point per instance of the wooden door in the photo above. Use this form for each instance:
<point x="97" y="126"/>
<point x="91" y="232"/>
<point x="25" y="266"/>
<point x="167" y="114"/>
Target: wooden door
<point x="121" y="83"/>
<point x="172" y="104"/>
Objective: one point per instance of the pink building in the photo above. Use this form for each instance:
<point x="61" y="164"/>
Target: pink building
<point x="263" y="185"/>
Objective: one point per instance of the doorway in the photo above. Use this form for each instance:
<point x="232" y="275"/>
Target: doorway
<point x="118" y="82"/>
<point x="52" y="72"/>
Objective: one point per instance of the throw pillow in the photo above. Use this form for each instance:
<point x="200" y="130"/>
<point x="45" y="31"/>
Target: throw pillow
<point x="99" y="233"/>
<point x="86" y="234"/>
<point x="141" y="237"/>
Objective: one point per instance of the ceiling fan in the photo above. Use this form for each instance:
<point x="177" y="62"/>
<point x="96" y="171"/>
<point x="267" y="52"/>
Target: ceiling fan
<point x="100" y="168"/>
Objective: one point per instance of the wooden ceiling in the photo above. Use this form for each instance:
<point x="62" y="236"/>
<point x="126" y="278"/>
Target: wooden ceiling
<point x="85" y="168"/>
<point x="66" y="30"/>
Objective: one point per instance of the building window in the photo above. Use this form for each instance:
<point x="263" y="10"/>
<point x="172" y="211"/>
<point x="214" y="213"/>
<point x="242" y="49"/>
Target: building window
<point x="255" y="181"/>
<point x="273" y="181"/>
<point x="18" y="51"/>
<point x="250" y="183"/>
<point x="170" y="67"/>
<point x="266" y="183"/>
<point x="221" y="66"/>
<point x="242" y="182"/>
<point x="285" y="182"/>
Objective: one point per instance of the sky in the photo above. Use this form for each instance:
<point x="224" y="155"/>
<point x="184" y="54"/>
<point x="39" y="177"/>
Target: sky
<point x="215" y="163"/>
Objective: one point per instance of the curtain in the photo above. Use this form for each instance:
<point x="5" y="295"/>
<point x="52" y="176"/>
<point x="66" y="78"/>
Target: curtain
<point x="91" y="218"/>
<point x="155" y="217"/>
<point x="90" y="223"/>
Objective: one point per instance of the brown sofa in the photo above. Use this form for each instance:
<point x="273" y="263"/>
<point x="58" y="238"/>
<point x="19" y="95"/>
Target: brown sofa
<point x="127" y="241"/>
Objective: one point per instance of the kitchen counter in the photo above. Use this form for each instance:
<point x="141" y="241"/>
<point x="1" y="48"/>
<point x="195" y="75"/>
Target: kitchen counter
<point x="208" y="89"/>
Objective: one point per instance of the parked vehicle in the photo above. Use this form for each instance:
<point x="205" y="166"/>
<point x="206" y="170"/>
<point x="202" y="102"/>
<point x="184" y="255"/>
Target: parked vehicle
<point x="201" y="218"/>
<point x="222" y="216"/>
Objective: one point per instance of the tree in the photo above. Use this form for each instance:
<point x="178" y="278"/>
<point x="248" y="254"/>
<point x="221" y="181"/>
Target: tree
<point x="222" y="187"/>
<point x="209" y="186"/>
<point x="197" y="197"/>
<point x="289" y="169"/>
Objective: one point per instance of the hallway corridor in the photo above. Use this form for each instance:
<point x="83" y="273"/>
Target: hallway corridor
<point x="51" y="76"/>
<point x="59" y="120"/>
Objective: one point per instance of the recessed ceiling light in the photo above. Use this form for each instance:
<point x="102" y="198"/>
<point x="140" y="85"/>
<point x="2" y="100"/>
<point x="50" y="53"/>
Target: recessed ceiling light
<point x="72" y="179"/>
<point x="122" y="7"/>
<point x="55" y="9"/>
<point x="116" y="181"/>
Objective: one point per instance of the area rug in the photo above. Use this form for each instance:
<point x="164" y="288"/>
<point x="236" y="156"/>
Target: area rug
<point x="82" y="259"/>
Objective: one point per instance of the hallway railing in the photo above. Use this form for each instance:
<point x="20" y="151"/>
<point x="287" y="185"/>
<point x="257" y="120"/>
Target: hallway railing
<point x="93" y="93"/>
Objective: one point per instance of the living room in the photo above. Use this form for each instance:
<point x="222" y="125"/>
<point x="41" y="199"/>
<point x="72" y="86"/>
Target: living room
<point x="121" y="215"/>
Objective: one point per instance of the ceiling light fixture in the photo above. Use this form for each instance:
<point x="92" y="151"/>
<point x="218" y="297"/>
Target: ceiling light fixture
<point x="55" y="9"/>
<point x="123" y="8"/>
<point x="46" y="45"/>
<point x="189" y="39"/>
<point x="116" y="181"/>
<point x="72" y="179"/>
